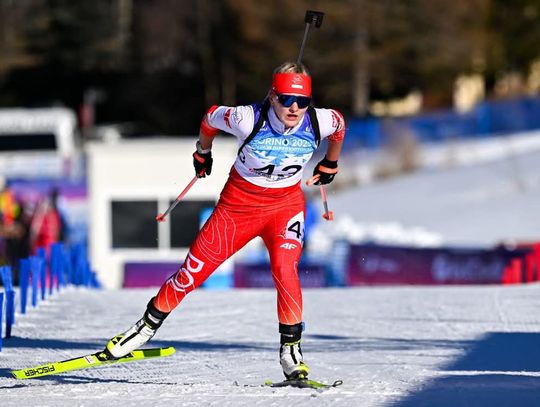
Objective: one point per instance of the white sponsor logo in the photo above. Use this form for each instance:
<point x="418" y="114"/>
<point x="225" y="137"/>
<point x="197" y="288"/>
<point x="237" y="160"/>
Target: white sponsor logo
<point x="192" y="266"/>
<point x="237" y="116"/>
<point x="445" y="268"/>
<point x="289" y="246"/>
<point x="378" y="264"/>
<point x="295" y="86"/>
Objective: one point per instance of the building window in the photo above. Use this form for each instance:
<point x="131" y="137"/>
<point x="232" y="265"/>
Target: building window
<point x="134" y="224"/>
<point x="185" y="221"/>
<point x="27" y="142"/>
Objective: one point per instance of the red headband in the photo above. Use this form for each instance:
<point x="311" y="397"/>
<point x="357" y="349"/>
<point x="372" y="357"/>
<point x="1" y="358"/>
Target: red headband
<point x="296" y="83"/>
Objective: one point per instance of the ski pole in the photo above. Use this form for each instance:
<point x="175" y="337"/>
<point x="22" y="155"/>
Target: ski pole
<point x="328" y="215"/>
<point x="161" y="216"/>
<point x="312" y="17"/>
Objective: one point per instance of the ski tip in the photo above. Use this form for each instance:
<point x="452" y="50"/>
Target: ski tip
<point x="303" y="383"/>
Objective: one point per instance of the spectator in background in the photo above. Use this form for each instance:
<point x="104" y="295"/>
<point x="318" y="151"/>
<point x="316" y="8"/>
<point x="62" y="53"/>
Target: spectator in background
<point x="14" y="228"/>
<point x="47" y="225"/>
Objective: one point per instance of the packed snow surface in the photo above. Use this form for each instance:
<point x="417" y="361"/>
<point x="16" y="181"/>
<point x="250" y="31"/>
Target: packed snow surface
<point x="393" y="346"/>
<point x="396" y="346"/>
<point x="472" y="193"/>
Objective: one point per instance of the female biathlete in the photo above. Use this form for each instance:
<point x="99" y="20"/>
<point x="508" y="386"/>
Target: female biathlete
<point x="262" y="197"/>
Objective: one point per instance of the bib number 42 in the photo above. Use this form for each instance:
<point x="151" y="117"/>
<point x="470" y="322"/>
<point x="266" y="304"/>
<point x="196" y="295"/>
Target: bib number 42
<point x="289" y="170"/>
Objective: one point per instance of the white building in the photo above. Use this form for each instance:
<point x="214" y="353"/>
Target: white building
<point x="39" y="143"/>
<point x="130" y="182"/>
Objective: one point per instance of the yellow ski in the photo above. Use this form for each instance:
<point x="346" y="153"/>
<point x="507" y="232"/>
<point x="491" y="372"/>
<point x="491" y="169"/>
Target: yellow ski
<point x="91" y="360"/>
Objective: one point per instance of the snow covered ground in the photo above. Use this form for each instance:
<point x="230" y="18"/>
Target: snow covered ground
<point x="395" y="346"/>
<point x="471" y="193"/>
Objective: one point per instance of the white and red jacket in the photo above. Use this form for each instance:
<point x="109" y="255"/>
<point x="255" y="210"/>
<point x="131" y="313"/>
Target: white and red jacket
<point x="276" y="156"/>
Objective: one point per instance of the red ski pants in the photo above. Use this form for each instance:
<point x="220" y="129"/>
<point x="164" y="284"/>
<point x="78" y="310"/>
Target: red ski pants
<point x="245" y="211"/>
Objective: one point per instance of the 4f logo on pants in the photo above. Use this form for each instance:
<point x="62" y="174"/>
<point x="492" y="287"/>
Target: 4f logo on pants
<point x="289" y="246"/>
<point x="184" y="277"/>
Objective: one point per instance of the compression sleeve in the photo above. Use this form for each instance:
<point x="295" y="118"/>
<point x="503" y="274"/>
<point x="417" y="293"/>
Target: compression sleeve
<point x="331" y="124"/>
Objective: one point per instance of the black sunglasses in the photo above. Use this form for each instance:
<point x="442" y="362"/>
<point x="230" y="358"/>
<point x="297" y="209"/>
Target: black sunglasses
<point x="288" y="100"/>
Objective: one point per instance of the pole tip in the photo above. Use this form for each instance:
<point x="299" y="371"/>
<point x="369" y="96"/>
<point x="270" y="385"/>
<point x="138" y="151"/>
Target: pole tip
<point x="160" y="218"/>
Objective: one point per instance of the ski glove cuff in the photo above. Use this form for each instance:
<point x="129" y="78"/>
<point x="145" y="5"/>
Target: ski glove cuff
<point x="326" y="170"/>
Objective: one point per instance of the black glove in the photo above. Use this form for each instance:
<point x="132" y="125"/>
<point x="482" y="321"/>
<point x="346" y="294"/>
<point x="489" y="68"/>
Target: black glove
<point x="326" y="170"/>
<point x="202" y="161"/>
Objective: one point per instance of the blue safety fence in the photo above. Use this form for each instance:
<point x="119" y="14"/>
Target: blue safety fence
<point x="9" y="296"/>
<point x="42" y="275"/>
<point x="1" y="312"/>
<point x="488" y="118"/>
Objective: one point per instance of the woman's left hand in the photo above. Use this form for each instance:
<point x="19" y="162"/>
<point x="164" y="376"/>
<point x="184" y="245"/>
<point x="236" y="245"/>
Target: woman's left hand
<point x="326" y="170"/>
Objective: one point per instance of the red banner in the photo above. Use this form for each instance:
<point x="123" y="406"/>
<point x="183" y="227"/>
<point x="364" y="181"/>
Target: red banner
<point x="369" y="264"/>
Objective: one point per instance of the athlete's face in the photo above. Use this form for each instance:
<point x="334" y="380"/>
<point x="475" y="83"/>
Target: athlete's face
<point x="291" y="115"/>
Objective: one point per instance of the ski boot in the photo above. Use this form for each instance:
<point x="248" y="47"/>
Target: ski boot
<point x="136" y="336"/>
<point x="290" y="352"/>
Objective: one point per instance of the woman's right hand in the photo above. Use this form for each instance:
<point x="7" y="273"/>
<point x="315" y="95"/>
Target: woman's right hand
<point x="202" y="163"/>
